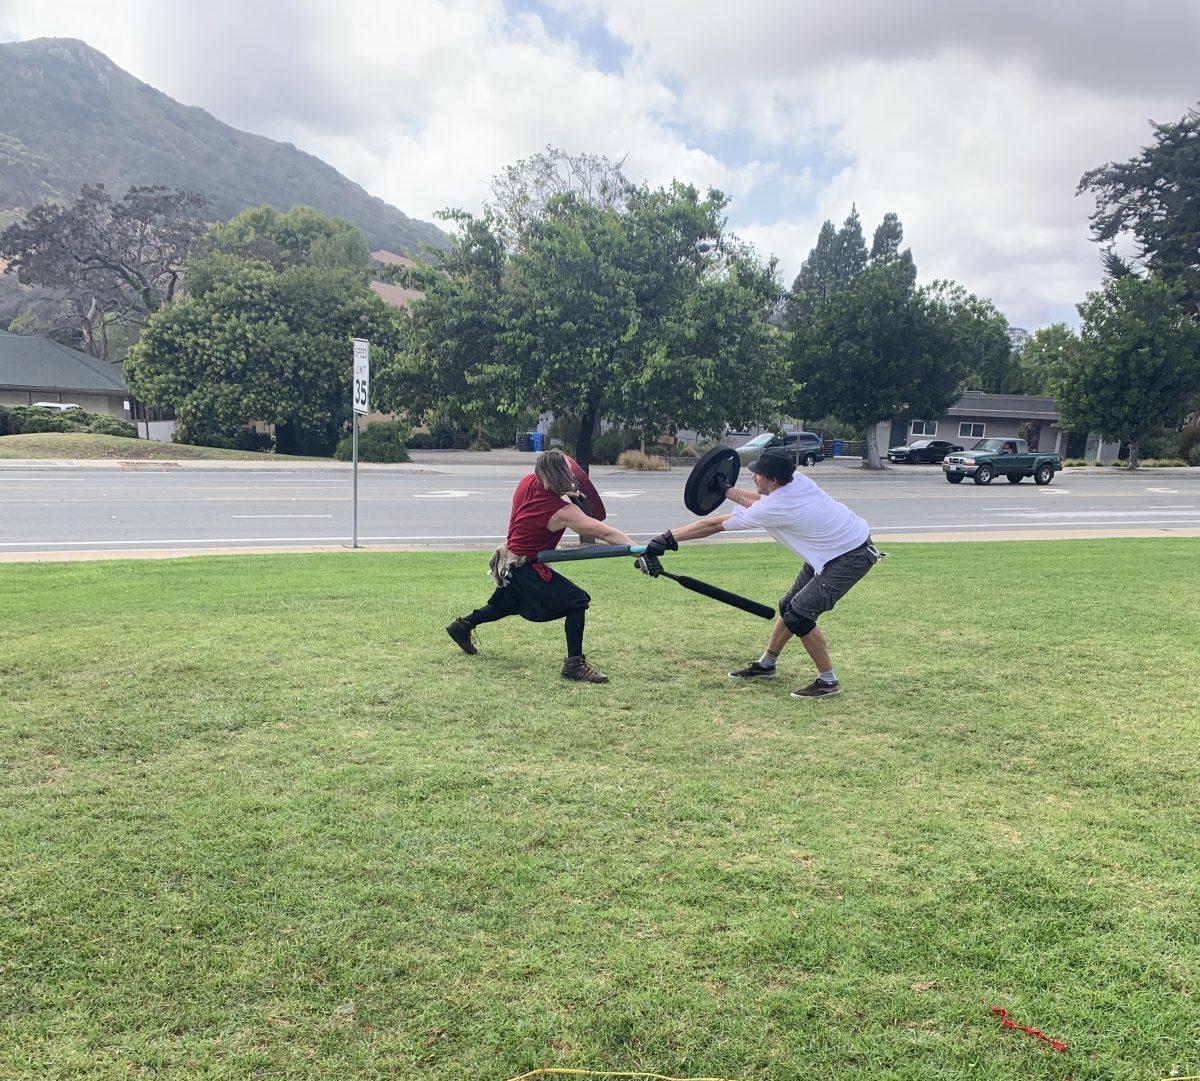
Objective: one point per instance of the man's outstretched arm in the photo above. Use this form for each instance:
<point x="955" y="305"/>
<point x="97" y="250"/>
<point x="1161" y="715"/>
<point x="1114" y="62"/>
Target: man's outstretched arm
<point x="743" y="497"/>
<point x="669" y="541"/>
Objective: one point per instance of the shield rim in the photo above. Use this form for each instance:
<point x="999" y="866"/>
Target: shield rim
<point x="693" y="490"/>
<point x="596" y="508"/>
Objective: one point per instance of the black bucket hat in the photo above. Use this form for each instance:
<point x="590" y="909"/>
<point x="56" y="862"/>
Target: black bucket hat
<point x="775" y="462"/>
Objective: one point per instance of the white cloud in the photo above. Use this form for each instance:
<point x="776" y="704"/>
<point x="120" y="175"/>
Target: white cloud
<point x="971" y="120"/>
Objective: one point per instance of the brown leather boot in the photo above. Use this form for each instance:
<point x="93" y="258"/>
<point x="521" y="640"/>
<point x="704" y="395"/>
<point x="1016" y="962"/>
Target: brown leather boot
<point x="464" y="634"/>
<point x="577" y="668"/>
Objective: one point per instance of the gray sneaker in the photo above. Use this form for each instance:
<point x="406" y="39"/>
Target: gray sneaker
<point x="753" y="670"/>
<point x="818" y="688"/>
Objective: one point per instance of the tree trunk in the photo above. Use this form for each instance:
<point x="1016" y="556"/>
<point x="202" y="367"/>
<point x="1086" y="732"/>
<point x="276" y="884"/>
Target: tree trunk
<point x="103" y="354"/>
<point x="587" y="428"/>
<point x="872" y="458"/>
<point x="1133" y="454"/>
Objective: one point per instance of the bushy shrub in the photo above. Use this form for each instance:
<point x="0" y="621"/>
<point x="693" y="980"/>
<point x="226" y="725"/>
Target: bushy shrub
<point x="421" y="441"/>
<point x="443" y="435"/>
<point x="1163" y="443"/>
<point x="685" y="450"/>
<point x="106" y="425"/>
<point x="42" y="420"/>
<point x="379" y="441"/>
<point x="192" y="437"/>
<point x="249" y="439"/>
<point x="642" y="463"/>
<point x="30" y="420"/>
<point x="1193" y="455"/>
<point x="607" y="446"/>
<point x="1189" y="438"/>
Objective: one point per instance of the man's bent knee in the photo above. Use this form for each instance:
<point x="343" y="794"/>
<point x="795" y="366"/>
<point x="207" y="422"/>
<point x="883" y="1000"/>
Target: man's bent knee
<point x="799" y="625"/>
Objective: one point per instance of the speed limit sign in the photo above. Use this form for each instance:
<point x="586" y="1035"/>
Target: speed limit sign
<point x="362" y="376"/>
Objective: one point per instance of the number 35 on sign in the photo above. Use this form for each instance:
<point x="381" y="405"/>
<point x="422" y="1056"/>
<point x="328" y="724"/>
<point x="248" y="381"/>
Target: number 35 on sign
<point x="362" y="376"/>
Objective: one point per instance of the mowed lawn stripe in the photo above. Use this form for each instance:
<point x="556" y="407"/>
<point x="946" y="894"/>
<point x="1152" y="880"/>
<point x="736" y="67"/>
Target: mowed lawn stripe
<point x="243" y="793"/>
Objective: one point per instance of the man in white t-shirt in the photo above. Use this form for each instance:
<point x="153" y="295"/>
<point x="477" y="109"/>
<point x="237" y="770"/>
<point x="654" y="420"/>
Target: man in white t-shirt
<point x="834" y="542"/>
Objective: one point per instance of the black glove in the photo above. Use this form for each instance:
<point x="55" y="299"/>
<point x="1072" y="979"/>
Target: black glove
<point x="719" y="483"/>
<point x="648" y="565"/>
<point x="664" y="542"/>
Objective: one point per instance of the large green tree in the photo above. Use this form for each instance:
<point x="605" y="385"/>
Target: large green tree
<point x="642" y="314"/>
<point x="1137" y="362"/>
<point x="521" y="192"/>
<point x="255" y="340"/>
<point x="301" y="236"/>
<point x="648" y="315"/>
<point x="1155" y="198"/>
<point x="1043" y="356"/>
<point x="114" y="262"/>
<point x="881" y="349"/>
<point x="984" y="339"/>
<point x="836" y="261"/>
<point x="449" y="365"/>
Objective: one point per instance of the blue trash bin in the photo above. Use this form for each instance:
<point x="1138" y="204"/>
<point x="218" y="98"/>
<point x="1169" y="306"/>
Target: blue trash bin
<point x="539" y="440"/>
<point x="837" y="448"/>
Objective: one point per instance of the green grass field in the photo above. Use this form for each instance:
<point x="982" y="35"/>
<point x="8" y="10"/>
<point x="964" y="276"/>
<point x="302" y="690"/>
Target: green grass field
<point x="262" y="819"/>
<point x="82" y="445"/>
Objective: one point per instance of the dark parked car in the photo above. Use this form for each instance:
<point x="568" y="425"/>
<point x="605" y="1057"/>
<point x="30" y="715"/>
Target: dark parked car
<point x="809" y="451"/>
<point x="930" y="451"/>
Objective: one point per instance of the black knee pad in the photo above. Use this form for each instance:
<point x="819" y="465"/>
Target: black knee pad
<point x="799" y="625"/>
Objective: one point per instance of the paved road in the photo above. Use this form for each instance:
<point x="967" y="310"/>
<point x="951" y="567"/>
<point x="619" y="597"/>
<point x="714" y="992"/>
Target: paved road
<point x="83" y="509"/>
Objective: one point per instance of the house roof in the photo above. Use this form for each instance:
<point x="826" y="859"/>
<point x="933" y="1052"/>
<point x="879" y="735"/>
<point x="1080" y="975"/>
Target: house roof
<point x="31" y="363"/>
<point x="1022" y="406"/>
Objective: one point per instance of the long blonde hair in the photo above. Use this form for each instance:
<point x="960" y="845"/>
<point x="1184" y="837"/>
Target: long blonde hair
<point x="554" y="471"/>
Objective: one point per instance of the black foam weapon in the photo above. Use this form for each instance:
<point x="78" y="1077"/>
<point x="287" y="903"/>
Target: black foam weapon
<point x="735" y="600"/>
<point x="605" y="551"/>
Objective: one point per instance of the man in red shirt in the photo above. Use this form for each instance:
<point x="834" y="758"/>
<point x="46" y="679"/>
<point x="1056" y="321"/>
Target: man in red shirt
<point x="541" y="512"/>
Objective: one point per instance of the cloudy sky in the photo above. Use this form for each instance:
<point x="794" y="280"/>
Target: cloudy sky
<point x="972" y="119"/>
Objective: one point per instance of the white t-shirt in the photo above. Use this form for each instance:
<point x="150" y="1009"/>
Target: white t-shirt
<point x="806" y="519"/>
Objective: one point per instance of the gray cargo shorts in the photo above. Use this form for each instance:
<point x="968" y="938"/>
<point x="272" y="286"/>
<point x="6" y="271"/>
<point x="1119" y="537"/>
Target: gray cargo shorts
<point x="812" y="594"/>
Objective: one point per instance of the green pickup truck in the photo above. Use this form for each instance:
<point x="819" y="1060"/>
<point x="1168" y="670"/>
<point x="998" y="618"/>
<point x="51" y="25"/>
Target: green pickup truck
<point x="1010" y="458"/>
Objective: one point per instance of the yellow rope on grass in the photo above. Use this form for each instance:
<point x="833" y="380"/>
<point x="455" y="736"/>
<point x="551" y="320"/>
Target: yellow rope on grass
<point x="562" y="1071"/>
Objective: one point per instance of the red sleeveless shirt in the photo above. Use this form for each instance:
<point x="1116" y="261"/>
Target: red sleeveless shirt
<point x="528" y="527"/>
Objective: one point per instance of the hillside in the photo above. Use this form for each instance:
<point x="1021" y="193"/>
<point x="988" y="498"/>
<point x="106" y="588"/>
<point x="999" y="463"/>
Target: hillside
<point x="69" y="116"/>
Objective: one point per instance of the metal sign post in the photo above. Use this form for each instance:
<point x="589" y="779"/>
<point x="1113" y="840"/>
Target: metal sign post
<point x="361" y="400"/>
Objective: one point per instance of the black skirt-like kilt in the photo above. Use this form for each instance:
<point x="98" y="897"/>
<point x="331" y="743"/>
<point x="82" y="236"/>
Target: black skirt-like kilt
<point x="539" y="601"/>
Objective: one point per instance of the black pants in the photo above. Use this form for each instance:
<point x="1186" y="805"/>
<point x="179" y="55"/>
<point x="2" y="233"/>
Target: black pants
<point x="489" y="613"/>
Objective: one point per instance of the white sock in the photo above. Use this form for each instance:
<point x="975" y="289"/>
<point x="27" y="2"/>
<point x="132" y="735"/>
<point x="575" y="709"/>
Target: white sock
<point x="766" y="661"/>
<point x="827" y="677"/>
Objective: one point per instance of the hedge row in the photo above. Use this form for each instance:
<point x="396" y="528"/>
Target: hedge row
<point x="27" y="420"/>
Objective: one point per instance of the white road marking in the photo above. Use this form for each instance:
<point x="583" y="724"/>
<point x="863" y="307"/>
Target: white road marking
<point x="1001" y="528"/>
<point x="620" y="495"/>
<point x="448" y="493"/>
<point x="1164" y="491"/>
<point x="281" y="516"/>
<point x="1074" y="514"/>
